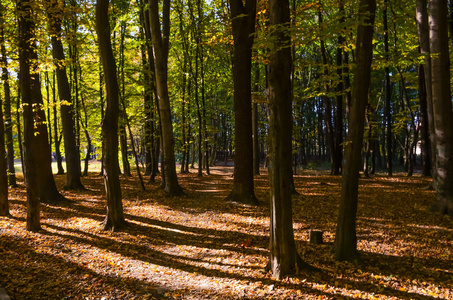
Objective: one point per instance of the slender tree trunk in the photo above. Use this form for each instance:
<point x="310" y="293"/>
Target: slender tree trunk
<point x="57" y="136"/>
<point x="243" y="25"/>
<point x="160" y="45"/>
<point x="4" y="206"/>
<point x="345" y="245"/>
<point x="442" y="106"/>
<point x="388" y="96"/>
<point x="73" y="172"/>
<point x="115" y="217"/>
<point x="424" y="125"/>
<point x="7" y="106"/>
<point x="255" y="124"/>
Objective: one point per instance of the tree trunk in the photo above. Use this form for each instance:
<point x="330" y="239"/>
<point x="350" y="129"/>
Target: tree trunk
<point x="442" y="106"/>
<point x="7" y="106"/>
<point x="423" y="37"/>
<point x="255" y="124"/>
<point x="57" y="136"/>
<point x="73" y="173"/>
<point x="160" y="45"/>
<point x="424" y="124"/>
<point x="284" y="258"/>
<point x="4" y="206"/>
<point x="30" y="90"/>
<point x="388" y="96"/>
<point x="115" y="217"/>
<point x="345" y="245"/>
<point x="243" y="24"/>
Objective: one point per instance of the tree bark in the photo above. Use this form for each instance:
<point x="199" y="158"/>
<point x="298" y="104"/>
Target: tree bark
<point x="30" y="90"/>
<point x="345" y="245"/>
<point x="4" y="206"/>
<point x="73" y="172"/>
<point x="243" y="24"/>
<point x="423" y="37"/>
<point x="442" y="106"/>
<point x="160" y="45"/>
<point x="284" y="258"/>
<point x="388" y="96"/>
<point x="7" y="106"/>
<point x="115" y="217"/>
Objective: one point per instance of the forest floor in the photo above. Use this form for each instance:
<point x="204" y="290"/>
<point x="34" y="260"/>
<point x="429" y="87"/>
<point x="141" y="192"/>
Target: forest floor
<point x="200" y="246"/>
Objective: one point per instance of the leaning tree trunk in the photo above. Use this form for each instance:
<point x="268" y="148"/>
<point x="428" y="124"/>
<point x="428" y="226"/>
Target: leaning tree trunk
<point x="346" y="238"/>
<point x="73" y="172"/>
<point x="442" y="106"/>
<point x="243" y="24"/>
<point x="115" y="217"/>
<point x="284" y="258"/>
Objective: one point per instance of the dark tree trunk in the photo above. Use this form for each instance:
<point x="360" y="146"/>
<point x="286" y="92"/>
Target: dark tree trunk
<point x="115" y="217"/>
<point x="424" y="125"/>
<point x="57" y="136"/>
<point x="442" y="106"/>
<point x="284" y="258"/>
<point x="160" y="45"/>
<point x="30" y="90"/>
<point x="423" y="37"/>
<point x="255" y="124"/>
<point x="4" y="206"/>
<point x="388" y="96"/>
<point x="7" y="106"/>
<point x="73" y="172"/>
<point x="243" y="24"/>
<point x="345" y="245"/>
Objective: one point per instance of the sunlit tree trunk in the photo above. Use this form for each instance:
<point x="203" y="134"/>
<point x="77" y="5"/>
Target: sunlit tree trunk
<point x="345" y="245"/>
<point x="442" y="106"/>
<point x="243" y="25"/>
<point x="115" y="217"/>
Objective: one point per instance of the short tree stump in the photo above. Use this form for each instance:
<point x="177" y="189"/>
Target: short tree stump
<point x="316" y="236"/>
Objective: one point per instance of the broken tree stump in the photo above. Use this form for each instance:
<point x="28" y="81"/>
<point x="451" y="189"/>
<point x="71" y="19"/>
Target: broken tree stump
<point x="316" y="236"/>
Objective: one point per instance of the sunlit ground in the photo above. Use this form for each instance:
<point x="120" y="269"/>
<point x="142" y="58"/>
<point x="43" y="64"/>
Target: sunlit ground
<point x="200" y="246"/>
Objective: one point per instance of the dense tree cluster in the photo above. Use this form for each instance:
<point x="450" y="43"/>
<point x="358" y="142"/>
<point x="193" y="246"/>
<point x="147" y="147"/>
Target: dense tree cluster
<point x="358" y="85"/>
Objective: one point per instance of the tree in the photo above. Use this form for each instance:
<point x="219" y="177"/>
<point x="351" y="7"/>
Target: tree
<point x="115" y="216"/>
<point x="284" y="258"/>
<point x="73" y="172"/>
<point x="4" y="207"/>
<point x="243" y="25"/>
<point x="31" y="90"/>
<point x="345" y="238"/>
<point x="442" y="107"/>
<point x="37" y="139"/>
<point x="388" y="95"/>
<point x="7" y="103"/>
<point x="160" y="41"/>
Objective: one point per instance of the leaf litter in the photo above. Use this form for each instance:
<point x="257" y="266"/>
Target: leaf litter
<point x="199" y="246"/>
